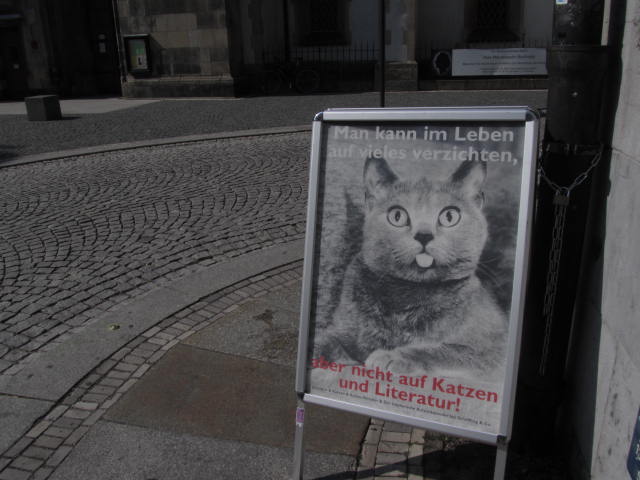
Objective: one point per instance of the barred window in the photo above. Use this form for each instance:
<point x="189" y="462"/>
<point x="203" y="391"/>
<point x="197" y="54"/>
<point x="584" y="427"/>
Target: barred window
<point x="324" y="17"/>
<point x="491" y="22"/>
<point x="322" y="22"/>
<point x="492" y="14"/>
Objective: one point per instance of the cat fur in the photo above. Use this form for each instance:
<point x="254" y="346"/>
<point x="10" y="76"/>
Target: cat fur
<point x="398" y="316"/>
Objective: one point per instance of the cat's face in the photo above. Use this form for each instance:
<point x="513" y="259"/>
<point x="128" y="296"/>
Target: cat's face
<point x="422" y="230"/>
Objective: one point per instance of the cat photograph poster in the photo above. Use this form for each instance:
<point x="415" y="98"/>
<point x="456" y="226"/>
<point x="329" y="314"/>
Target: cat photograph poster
<point x="416" y="226"/>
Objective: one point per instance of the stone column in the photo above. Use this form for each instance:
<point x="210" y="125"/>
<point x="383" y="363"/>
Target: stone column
<point x="401" y="68"/>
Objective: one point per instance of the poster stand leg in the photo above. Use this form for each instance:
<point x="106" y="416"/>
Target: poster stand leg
<point x="501" y="459"/>
<point x="298" y="446"/>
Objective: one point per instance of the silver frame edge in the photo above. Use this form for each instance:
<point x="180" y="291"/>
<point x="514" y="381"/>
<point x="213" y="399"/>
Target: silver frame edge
<point x="307" y="269"/>
<point x="520" y="276"/>
<point x="471" y="114"/>
<point x="483" y="437"/>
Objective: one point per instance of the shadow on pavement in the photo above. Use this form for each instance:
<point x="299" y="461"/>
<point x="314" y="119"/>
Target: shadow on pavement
<point x="7" y="152"/>
<point x="344" y="475"/>
<point x="63" y="118"/>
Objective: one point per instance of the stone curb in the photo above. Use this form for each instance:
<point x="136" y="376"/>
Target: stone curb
<point x="113" y="147"/>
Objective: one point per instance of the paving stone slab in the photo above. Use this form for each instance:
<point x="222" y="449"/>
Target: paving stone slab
<point x="200" y="392"/>
<point x="17" y="416"/>
<point x="256" y="329"/>
<point x="124" y="452"/>
<point x="285" y="299"/>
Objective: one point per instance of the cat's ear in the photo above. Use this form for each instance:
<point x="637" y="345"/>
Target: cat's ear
<point x="377" y="177"/>
<point x="470" y="177"/>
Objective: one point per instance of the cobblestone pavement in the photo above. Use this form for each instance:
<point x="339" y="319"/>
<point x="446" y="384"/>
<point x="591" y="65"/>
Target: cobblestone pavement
<point x="172" y="118"/>
<point x="82" y="235"/>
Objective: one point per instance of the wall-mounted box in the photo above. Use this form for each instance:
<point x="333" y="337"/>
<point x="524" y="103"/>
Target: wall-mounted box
<point x="138" y="54"/>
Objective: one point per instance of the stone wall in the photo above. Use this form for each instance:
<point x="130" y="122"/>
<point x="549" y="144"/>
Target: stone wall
<point x="189" y="46"/>
<point x="31" y="69"/>
<point x="605" y="380"/>
<point x="35" y="42"/>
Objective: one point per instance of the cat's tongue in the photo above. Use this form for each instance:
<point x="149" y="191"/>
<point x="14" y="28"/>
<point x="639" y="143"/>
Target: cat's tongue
<point x="424" y="260"/>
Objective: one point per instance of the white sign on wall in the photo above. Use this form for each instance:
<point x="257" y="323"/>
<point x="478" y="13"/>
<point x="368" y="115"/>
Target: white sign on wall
<point x="499" y="62"/>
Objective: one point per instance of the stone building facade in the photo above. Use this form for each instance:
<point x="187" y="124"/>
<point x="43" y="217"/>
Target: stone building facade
<point x="213" y="47"/>
<point x="188" y="43"/>
<point x="68" y="47"/>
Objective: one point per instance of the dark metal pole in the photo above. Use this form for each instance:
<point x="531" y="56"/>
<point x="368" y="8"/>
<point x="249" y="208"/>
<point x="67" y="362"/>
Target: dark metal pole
<point x="577" y="66"/>
<point x="383" y="44"/>
<point x="121" y="61"/>
<point x="287" y="46"/>
<point x="578" y="22"/>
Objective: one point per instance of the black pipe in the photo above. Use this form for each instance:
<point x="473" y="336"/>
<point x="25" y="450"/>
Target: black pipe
<point x="382" y="42"/>
<point x="577" y="70"/>
<point x="120" y="50"/>
<point x="287" y="46"/>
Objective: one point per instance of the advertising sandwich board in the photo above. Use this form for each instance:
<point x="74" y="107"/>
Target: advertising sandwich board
<point x="415" y="265"/>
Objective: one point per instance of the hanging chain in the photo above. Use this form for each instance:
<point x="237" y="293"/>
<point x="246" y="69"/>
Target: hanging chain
<point x="561" y="200"/>
<point x="578" y="180"/>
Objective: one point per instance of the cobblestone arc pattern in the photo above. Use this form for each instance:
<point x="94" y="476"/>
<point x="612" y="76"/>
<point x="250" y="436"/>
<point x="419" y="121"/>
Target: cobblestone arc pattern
<point x="82" y="235"/>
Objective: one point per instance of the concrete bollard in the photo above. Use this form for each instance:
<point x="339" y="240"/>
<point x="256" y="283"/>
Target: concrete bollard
<point x="43" y="107"/>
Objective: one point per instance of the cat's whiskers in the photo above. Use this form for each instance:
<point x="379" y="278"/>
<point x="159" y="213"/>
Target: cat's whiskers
<point x="488" y="274"/>
<point x="491" y="259"/>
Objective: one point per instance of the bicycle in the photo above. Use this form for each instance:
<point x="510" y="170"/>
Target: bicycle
<point x="295" y="75"/>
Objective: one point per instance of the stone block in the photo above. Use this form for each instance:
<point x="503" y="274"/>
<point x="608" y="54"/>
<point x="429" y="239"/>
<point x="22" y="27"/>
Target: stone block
<point x="216" y="4"/>
<point x="417" y="436"/>
<point x="395" y="436"/>
<point x="373" y="435"/>
<point x="207" y="20"/>
<point x="401" y="76"/>
<point x="393" y="447"/>
<point x="201" y="86"/>
<point x="43" y="108"/>
<point x="397" y="427"/>
<point x="183" y="22"/>
<point x="178" y="39"/>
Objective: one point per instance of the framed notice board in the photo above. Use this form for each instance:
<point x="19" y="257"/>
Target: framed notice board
<point x="416" y="263"/>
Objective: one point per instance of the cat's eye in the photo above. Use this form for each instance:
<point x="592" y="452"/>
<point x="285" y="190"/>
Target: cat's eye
<point x="449" y="216"/>
<point x="398" y="217"/>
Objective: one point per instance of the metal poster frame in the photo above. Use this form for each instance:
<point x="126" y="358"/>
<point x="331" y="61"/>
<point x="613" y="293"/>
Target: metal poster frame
<point x="522" y="117"/>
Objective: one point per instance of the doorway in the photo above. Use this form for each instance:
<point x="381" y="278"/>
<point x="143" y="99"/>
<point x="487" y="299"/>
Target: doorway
<point x="13" y="75"/>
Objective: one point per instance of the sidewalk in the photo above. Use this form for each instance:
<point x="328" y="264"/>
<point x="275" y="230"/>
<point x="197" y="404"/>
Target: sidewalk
<point x="165" y="118"/>
<point x="206" y="393"/>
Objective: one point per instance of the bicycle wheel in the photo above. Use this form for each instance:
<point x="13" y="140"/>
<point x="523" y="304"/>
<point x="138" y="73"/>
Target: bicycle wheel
<point x="271" y="82"/>
<point x="306" y="81"/>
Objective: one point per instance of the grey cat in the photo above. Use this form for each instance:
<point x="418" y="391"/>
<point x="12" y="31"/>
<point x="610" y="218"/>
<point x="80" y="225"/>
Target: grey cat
<point x="411" y="300"/>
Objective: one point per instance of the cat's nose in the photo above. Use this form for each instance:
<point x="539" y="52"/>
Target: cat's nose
<point x="423" y="237"/>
